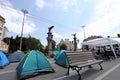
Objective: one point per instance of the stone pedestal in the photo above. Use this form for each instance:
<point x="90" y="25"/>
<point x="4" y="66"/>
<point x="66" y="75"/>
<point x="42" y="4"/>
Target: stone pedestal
<point x="49" y="41"/>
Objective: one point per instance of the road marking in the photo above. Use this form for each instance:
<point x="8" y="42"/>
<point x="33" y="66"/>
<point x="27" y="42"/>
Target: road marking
<point x="7" y="71"/>
<point x="60" y="77"/>
<point x="72" y="74"/>
<point x="106" y="73"/>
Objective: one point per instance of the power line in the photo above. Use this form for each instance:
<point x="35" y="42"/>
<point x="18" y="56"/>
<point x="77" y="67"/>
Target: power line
<point x="42" y="19"/>
<point x="37" y="18"/>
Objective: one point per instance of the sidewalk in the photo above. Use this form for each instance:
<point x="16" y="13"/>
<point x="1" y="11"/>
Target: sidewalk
<point x="86" y="73"/>
<point x="111" y="72"/>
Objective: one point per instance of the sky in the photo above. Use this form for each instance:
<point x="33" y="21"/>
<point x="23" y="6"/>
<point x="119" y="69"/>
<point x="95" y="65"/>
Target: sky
<point x="100" y="17"/>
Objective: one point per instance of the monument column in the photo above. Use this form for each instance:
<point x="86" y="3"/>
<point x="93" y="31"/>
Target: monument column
<point x="75" y="42"/>
<point x="49" y="40"/>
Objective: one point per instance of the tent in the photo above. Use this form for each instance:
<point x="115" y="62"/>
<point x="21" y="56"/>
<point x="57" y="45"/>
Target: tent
<point x="33" y="62"/>
<point x="3" y="60"/>
<point x="61" y="59"/>
<point x="103" y="42"/>
<point x="55" y="51"/>
<point x="16" y="56"/>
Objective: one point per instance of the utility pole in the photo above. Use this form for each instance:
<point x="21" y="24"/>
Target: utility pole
<point x="24" y="13"/>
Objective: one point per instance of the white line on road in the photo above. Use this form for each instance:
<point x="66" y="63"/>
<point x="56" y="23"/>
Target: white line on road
<point x="106" y="73"/>
<point x="7" y="71"/>
<point x="60" y="77"/>
<point x="72" y="73"/>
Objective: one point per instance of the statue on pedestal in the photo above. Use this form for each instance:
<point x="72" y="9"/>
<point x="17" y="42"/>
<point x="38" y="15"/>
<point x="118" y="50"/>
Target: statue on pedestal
<point x="49" y="40"/>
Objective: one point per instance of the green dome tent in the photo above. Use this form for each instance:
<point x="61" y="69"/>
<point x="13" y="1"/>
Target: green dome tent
<point x="61" y="59"/>
<point x="55" y="51"/>
<point x="33" y="62"/>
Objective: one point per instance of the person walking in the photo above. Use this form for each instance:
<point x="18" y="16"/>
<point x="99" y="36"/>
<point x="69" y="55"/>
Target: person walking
<point x="99" y="54"/>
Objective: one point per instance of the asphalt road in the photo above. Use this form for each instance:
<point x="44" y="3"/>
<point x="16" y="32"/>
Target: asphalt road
<point x="111" y="72"/>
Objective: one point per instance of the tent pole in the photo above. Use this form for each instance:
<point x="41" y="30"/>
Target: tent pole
<point x="112" y="48"/>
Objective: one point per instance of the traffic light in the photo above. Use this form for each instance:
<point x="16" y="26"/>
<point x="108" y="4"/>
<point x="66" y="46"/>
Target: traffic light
<point x="118" y="35"/>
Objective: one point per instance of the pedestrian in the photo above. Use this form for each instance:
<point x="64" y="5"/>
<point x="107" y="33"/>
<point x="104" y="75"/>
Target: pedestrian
<point x="117" y="52"/>
<point x="99" y="54"/>
<point x="106" y="56"/>
<point x="94" y="53"/>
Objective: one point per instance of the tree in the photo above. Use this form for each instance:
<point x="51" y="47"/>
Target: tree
<point x="92" y="37"/>
<point x="29" y="43"/>
<point x="63" y="46"/>
<point x="12" y="45"/>
<point x="118" y="35"/>
<point x="33" y="44"/>
<point x="17" y="42"/>
<point x="46" y="50"/>
<point x="7" y="40"/>
<point x="53" y="45"/>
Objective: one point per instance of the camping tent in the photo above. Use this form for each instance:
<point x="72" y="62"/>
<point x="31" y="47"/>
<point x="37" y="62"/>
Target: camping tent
<point x="3" y="60"/>
<point x="61" y="59"/>
<point x="57" y="54"/>
<point x="55" y="51"/>
<point x="33" y="62"/>
<point x="16" y="56"/>
<point x="102" y="42"/>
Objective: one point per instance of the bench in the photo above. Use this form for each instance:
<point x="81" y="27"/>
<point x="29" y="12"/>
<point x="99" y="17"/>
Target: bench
<point x="77" y="60"/>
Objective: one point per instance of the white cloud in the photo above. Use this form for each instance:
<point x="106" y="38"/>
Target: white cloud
<point x="106" y="18"/>
<point x="86" y="1"/>
<point x="106" y="7"/>
<point x="67" y="4"/>
<point x="5" y="2"/>
<point x="56" y="35"/>
<point x="40" y="3"/>
<point x="14" y="19"/>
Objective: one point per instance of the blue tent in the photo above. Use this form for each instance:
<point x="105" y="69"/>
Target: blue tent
<point x="61" y="59"/>
<point x="58" y="53"/>
<point x="16" y="56"/>
<point x="33" y="62"/>
<point x="3" y="60"/>
<point x="55" y="51"/>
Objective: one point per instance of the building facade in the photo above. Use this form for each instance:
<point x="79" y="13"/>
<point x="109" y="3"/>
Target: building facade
<point x="68" y="43"/>
<point x="3" y="34"/>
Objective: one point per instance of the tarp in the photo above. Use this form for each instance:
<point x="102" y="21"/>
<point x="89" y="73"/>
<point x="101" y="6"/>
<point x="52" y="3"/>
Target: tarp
<point x="33" y="62"/>
<point x="3" y="60"/>
<point x="103" y="42"/>
<point x="16" y="56"/>
<point x="61" y="59"/>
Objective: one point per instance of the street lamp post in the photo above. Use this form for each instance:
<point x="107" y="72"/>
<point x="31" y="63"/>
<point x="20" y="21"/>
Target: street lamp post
<point x="24" y="13"/>
<point x="84" y="31"/>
